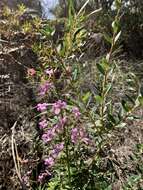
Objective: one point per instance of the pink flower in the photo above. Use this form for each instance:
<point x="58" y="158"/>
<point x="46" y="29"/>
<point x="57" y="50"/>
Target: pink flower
<point x="58" y="106"/>
<point x="41" y="107"/>
<point x="76" y="112"/>
<point x="25" y="179"/>
<point x="43" y="175"/>
<point x="82" y="133"/>
<point x="43" y="124"/>
<point x="74" y="135"/>
<point x="29" y="172"/>
<point x="49" y="162"/>
<point x="79" y="134"/>
<point x="63" y="121"/>
<point x="87" y="141"/>
<point x="58" y="128"/>
<point x="49" y="72"/>
<point x="48" y="136"/>
<point x="44" y="88"/>
<point x="31" y="72"/>
<point x="57" y="149"/>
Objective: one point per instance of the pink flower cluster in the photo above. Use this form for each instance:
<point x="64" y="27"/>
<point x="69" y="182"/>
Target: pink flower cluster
<point x="31" y="72"/>
<point x="58" y="106"/>
<point x="26" y="178"/>
<point x="41" y="107"/>
<point x="47" y="85"/>
<point x="76" y="112"/>
<point x="49" y="135"/>
<point x="43" y="175"/>
<point x="44" y="88"/>
<point x="50" y="161"/>
<point x="57" y="149"/>
<point x="49" y="72"/>
<point x="79" y="134"/>
<point x="43" y="124"/>
<point x="59" y="126"/>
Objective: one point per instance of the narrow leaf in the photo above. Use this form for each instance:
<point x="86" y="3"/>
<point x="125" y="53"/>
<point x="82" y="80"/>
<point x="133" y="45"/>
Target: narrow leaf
<point x="117" y="36"/>
<point x="86" y="97"/>
<point x="101" y="69"/>
<point x="108" y="38"/>
<point x="141" y="100"/>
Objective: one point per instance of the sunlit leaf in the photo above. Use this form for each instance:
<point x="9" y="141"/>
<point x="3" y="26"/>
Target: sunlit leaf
<point x="115" y="26"/>
<point x="86" y="97"/>
<point x="121" y="125"/>
<point x="117" y="37"/>
<point x="98" y="99"/>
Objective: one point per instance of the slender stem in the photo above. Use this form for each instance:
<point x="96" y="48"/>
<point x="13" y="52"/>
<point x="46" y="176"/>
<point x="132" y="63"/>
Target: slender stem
<point x="104" y="98"/>
<point x="68" y="164"/>
<point x="66" y="137"/>
<point x="108" y="58"/>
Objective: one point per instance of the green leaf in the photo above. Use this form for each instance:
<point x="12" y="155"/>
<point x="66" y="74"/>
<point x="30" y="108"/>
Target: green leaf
<point x="108" y="38"/>
<point x="59" y="47"/>
<point x="108" y="88"/>
<point x="141" y="90"/>
<point x="121" y="113"/>
<point x="121" y="125"/>
<point x="118" y="3"/>
<point x="115" y="26"/>
<point x="117" y="36"/>
<point x="75" y="74"/>
<point x="47" y="31"/>
<point x="98" y="99"/>
<point x="109" y="187"/>
<point x="105" y="64"/>
<point x="100" y="68"/>
<point x="130" y="99"/>
<point x="125" y="106"/>
<point x="112" y="118"/>
<point x="86" y="97"/>
<point x="140" y="100"/>
<point x="98" y="123"/>
<point x="77" y="32"/>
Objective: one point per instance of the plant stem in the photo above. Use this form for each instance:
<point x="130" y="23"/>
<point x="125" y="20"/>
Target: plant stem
<point x="104" y="98"/>
<point x="68" y="165"/>
<point x="67" y="155"/>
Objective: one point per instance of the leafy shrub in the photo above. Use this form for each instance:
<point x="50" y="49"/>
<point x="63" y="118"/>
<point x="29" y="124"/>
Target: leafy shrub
<point x="75" y="124"/>
<point x="131" y="20"/>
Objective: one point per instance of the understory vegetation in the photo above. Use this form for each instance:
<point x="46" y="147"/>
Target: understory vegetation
<point x="87" y="112"/>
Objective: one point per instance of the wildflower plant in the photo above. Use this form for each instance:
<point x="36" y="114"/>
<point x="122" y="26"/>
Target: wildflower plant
<point x="73" y="133"/>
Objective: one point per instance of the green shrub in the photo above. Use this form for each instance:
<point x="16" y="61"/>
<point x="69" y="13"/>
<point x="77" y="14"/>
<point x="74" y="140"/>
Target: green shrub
<point x="76" y="123"/>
